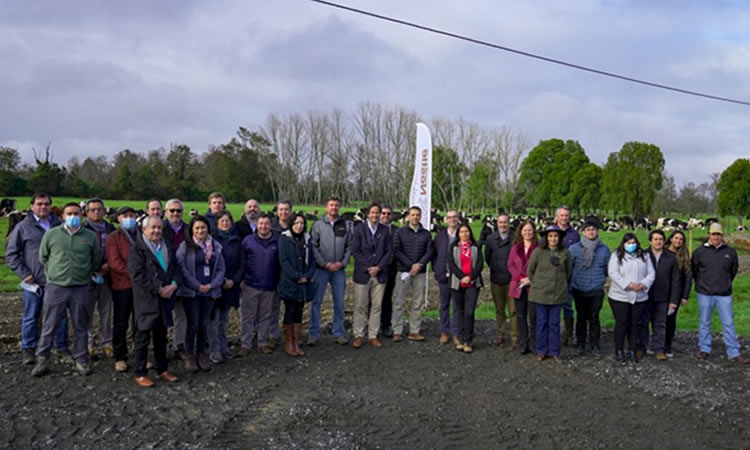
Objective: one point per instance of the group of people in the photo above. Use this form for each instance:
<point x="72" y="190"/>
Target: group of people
<point x="160" y="272"/>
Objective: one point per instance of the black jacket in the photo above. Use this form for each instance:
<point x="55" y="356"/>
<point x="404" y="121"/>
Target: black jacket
<point x="243" y="227"/>
<point x="714" y="269"/>
<point x="366" y="255"/>
<point x="168" y="234"/>
<point x="666" y="285"/>
<point x="441" y="254"/>
<point x="411" y="247"/>
<point x="497" y="253"/>
<point x="149" y="308"/>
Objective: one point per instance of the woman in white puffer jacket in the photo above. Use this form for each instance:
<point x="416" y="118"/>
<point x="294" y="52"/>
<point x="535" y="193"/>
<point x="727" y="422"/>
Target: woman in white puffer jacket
<point x="631" y="274"/>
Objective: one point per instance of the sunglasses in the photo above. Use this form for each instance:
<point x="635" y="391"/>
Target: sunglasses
<point x="175" y="210"/>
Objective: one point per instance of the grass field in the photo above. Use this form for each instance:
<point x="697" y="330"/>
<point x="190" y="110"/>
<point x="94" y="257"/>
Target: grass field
<point x="688" y="315"/>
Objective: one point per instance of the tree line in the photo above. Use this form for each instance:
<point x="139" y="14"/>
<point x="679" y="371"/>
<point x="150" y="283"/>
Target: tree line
<point x="368" y="153"/>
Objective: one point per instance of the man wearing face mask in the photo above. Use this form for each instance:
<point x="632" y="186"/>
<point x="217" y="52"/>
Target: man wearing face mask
<point x="248" y="224"/>
<point x="100" y="293"/>
<point x="22" y="255"/>
<point x="118" y="247"/>
<point x="70" y="254"/>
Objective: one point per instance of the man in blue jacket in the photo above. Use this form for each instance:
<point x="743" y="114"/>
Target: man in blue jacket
<point x="22" y="256"/>
<point x="590" y="258"/>
<point x="261" y="253"/>
<point x="443" y="240"/>
<point x="371" y="249"/>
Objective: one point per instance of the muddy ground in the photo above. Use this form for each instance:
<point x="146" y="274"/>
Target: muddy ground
<point x="405" y="395"/>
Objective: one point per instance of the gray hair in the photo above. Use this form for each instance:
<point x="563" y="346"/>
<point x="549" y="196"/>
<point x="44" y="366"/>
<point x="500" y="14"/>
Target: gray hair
<point x="148" y="219"/>
<point x="175" y="200"/>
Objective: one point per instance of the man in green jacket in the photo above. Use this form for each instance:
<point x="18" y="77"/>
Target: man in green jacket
<point x="70" y="254"/>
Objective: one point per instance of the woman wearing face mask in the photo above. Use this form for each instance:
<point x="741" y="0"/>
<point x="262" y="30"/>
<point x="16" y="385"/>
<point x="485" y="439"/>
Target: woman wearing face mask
<point x="677" y="245"/>
<point x="234" y="269"/>
<point x="296" y="286"/>
<point x="118" y="247"/>
<point x="549" y="269"/>
<point x="465" y="262"/>
<point x="202" y="266"/>
<point x="631" y="274"/>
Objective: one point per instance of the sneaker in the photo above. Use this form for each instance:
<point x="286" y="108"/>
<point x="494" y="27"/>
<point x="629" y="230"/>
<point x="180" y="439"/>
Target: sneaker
<point x="108" y="351"/>
<point x="312" y="341"/>
<point x="41" y="368"/>
<point x="669" y="354"/>
<point x="84" y="368"/>
<point x="28" y="358"/>
<point x="342" y="340"/>
<point x="121" y="366"/>
<point x="661" y="356"/>
<point x="228" y="354"/>
<point x="649" y="352"/>
<point x="217" y="359"/>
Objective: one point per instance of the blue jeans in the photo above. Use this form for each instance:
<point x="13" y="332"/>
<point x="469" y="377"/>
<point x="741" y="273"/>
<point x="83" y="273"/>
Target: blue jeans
<point x="217" y="332"/>
<point x="338" y="284"/>
<point x="706" y="305"/>
<point x="548" y="329"/>
<point x="32" y="308"/>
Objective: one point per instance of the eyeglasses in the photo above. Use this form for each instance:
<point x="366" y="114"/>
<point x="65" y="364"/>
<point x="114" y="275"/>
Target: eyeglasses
<point x="451" y="217"/>
<point x="175" y="210"/>
<point x="386" y="213"/>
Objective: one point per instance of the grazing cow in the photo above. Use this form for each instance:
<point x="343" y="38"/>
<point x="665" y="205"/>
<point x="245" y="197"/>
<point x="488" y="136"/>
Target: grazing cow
<point x="696" y="223"/>
<point x="14" y="218"/>
<point x="7" y="205"/>
<point x="741" y="228"/>
<point x="627" y="221"/>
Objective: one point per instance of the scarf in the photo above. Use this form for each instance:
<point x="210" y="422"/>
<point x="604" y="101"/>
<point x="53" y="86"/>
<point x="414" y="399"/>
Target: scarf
<point x="162" y="256"/>
<point x="207" y="245"/>
<point x="588" y="251"/>
<point x="101" y="231"/>
<point x="465" y="249"/>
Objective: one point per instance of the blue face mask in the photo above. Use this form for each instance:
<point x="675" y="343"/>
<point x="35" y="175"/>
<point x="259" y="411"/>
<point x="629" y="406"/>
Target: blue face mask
<point x="73" y="221"/>
<point x="630" y="248"/>
<point x="128" y="223"/>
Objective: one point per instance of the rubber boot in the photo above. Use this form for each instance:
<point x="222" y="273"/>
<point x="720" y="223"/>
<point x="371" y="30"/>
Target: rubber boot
<point x="296" y="331"/>
<point x="289" y="341"/>
<point x="568" y="339"/>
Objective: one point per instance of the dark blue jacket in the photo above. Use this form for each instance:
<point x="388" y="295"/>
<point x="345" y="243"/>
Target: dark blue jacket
<point x="234" y="266"/>
<point x="261" y="261"/>
<point x="411" y="247"/>
<point x="441" y="254"/>
<point x="589" y="279"/>
<point x="366" y="255"/>
<point x="297" y="261"/>
<point x="22" y="248"/>
<point x="571" y="237"/>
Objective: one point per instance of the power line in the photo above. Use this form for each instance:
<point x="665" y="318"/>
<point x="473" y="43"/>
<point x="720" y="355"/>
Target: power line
<point x="530" y="55"/>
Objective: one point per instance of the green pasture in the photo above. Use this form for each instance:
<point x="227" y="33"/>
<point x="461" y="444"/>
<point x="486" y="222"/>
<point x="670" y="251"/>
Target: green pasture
<point x="688" y="315"/>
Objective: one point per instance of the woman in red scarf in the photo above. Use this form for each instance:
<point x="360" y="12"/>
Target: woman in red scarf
<point x="466" y="263"/>
<point x="524" y="244"/>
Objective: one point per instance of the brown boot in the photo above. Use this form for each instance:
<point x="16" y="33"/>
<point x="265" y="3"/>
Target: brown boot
<point x="289" y="340"/>
<point x="295" y="334"/>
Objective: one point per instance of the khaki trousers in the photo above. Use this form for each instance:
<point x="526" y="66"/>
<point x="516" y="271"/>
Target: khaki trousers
<point x="501" y="299"/>
<point x="364" y="295"/>
<point x="416" y="285"/>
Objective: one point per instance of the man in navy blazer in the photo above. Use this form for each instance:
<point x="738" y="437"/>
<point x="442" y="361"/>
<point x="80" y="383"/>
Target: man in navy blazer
<point x="371" y="249"/>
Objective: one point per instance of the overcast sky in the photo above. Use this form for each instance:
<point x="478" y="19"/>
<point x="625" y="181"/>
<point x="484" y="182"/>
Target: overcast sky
<point x="96" y="77"/>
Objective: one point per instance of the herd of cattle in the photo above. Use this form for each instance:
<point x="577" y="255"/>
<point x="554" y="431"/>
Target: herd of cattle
<point x="542" y="220"/>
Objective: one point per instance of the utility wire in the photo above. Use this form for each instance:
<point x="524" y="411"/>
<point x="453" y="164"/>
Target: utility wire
<point x="528" y="54"/>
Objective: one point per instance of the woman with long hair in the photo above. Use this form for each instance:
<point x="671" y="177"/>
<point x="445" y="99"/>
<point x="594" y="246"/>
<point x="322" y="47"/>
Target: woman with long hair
<point x="465" y="262"/>
<point x="549" y="270"/>
<point x="677" y="244"/>
<point x="202" y="266"/>
<point x="296" y="286"/>
<point x="524" y="243"/>
<point x="631" y="274"/>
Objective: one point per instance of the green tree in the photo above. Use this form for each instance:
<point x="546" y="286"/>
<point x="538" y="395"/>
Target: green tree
<point x="47" y="176"/>
<point x="447" y="173"/>
<point x="548" y="172"/>
<point x="11" y="183"/>
<point x="632" y="177"/>
<point x="585" y="192"/>
<point x="734" y="190"/>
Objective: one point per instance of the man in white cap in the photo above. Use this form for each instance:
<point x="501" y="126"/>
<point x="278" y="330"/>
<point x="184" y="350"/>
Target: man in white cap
<point x="714" y="266"/>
